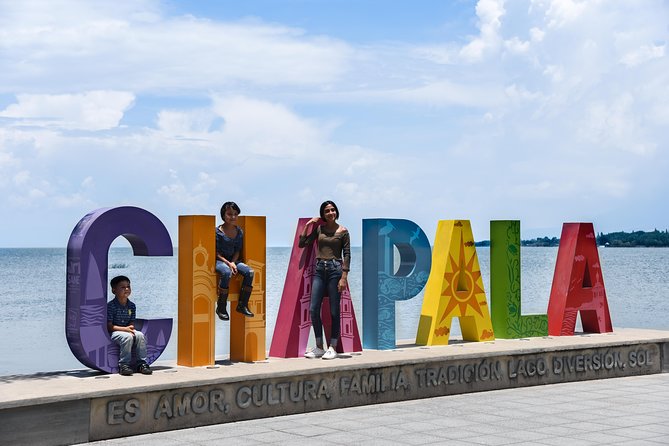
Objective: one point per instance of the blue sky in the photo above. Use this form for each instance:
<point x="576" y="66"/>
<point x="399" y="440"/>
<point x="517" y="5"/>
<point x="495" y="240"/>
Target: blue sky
<point x="544" y="111"/>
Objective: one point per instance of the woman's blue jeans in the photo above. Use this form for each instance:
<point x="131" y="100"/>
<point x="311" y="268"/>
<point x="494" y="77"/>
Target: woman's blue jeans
<point x="326" y="280"/>
<point x="242" y="268"/>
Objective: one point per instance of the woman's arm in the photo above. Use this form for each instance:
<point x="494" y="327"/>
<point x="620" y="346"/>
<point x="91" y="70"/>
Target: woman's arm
<point x="306" y="240"/>
<point x="346" y="259"/>
<point x="346" y="251"/>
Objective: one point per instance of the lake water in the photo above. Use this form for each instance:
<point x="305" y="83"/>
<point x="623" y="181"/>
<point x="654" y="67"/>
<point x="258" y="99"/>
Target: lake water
<point x="32" y="297"/>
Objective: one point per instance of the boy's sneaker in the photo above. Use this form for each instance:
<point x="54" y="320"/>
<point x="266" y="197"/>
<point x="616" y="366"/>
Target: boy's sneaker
<point x="144" y="369"/>
<point x="330" y="354"/>
<point x="125" y="370"/>
<point x="315" y="352"/>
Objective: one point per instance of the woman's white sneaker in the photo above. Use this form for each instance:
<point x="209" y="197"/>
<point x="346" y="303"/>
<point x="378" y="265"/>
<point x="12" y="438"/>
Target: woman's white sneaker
<point x="330" y="354"/>
<point x="315" y="352"/>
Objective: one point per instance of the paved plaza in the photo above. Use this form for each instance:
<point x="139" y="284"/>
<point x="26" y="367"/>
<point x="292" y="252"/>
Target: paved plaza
<point x="630" y="411"/>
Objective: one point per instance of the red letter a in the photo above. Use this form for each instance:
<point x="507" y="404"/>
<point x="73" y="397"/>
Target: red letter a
<point x="578" y="284"/>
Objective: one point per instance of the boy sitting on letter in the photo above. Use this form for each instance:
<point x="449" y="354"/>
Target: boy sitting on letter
<point x="121" y="315"/>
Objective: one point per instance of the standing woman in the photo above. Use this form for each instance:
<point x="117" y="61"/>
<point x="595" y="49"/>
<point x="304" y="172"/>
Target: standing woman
<point x="229" y="241"/>
<point x="333" y="259"/>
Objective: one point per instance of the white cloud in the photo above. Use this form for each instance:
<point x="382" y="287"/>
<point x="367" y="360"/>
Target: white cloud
<point x="191" y="197"/>
<point x="554" y="72"/>
<point x="27" y="191"/>
<point x="551" y="109"/>
<point x="562" y="12"/>
<point x="179" y="122"/>
<point x="88" y="182"/>
<point x="644" y="54"/>
<point x="440" y="54"/>
<point x="536" y="34"/>
<point x="441" y="93"/>
<point x="94" y="46"/>
<point x="256" y="127"/>
<point x="490" y="14"/>
<point x="94" y="110"/>
<point x="32" y="192"/>
<point x="616" y="124"/>
<point x="517" y="46"/>
<point x="21" y="178"/>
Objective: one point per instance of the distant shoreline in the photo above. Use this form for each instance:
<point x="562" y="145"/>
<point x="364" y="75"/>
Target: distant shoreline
<point x="622" y="239"/>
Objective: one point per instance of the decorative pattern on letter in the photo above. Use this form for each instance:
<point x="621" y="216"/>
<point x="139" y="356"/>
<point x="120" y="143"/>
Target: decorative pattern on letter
<point x="247" y="334"/>
<point x="505" y="297"/>
<point x="578" y="284"/>
<point x="86" y="293"/>
<point x="197" y="291"/>
<point x="454" y="289"/>
<point x="293" y="322"/>
<point x="381" y="284"/>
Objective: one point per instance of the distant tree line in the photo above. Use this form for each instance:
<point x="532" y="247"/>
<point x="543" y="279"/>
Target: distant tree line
<point x="613" y="239"/>
<point x="539" y="241"/>
<point x="635" y="238"/>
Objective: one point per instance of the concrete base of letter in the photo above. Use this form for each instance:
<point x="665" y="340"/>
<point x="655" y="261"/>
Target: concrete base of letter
<point x="80" y="406"/>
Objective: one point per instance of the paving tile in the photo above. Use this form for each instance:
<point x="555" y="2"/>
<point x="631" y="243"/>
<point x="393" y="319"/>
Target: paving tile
<point x="418" y="438"/>
<point x="241" y="441"/>
<point x="273" y="437"/>
<point x="534" y="412"/>
<point x="624" y="421"/>
<point x="485" y="428"/>
<point x="348" y="438"/>
<point x="655" y="418"/>
<point x="452" y="422"/>
<point x="641" y="443"/>
<point x="600" y="437"/>
<point x="415" y="426"/>
<point x="308" y="431"/>
<point x="304" y="441"/>
<point x="562" y="441"/>
<point x="482" y="417"/>
<point x="230" y="430"/>
<point x="520" y="424"/>
<point x="526" y="435"/>
<point x="527" y="443"/>
<point x="491" y="440"/>
<point x="635" y="433"/>
<point x="557" y="419"/>
<point x="554" y="431"/>
<point x="455" y="434"/>
<point x="381" y="431"/>
<point x="657" y="428"/>
<point x="588" y="426"/>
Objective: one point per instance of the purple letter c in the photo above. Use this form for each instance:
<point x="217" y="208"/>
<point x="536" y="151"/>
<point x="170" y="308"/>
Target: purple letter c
<point x="86" y="305"/>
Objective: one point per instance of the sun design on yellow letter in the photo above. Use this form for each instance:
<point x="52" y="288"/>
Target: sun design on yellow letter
<point x="462" y="285"/>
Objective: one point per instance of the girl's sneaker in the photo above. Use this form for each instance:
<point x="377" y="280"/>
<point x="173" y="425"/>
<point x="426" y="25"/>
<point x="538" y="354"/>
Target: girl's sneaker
<point x="315" y="352"/>
<point x="330" y="354"/>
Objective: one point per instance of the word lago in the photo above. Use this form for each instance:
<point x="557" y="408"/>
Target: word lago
<point x="449" y="272"/>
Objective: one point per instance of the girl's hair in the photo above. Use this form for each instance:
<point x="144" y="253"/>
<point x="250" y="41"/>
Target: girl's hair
<point x="229" y="204"/>
<point x="325" y="203"/>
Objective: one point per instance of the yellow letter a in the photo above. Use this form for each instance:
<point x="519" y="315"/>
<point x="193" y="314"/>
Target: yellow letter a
<point x="454" y="288"/>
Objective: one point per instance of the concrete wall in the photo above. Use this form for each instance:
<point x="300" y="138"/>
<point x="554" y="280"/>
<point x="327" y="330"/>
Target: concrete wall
<point x="122" y="414"/>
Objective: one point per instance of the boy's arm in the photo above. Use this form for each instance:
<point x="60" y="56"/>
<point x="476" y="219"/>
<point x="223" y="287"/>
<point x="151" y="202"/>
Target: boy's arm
<point x="130" y="328"/>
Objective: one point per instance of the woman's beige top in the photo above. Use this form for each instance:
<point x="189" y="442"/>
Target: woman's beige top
<point x="330" y="245"/>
